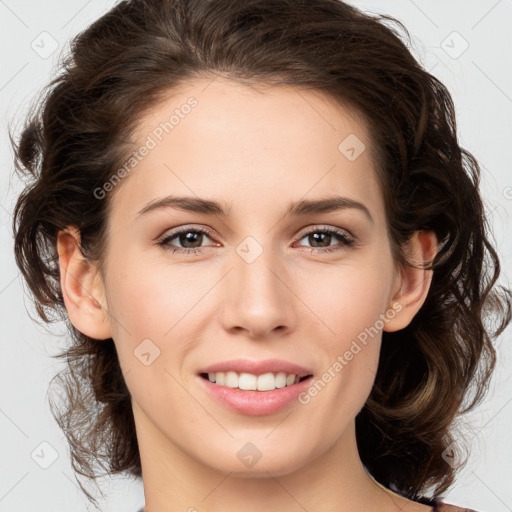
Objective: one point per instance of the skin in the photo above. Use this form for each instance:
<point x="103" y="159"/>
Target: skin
<point x="256" y="150"/>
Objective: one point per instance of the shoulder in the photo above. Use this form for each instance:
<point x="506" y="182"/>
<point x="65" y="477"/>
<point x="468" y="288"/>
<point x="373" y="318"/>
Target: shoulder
<point x="438" y="505"/>
<point x="446" y="507"/>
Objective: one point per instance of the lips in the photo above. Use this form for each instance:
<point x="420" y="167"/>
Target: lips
<point x="257" y="367"/>
<point x="267" y="399"/>
<point x="255" y="403"/>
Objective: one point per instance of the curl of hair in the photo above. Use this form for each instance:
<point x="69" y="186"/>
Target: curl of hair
<point x="140" y="51"/>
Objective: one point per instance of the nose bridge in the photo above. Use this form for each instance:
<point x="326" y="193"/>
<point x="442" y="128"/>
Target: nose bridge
<point x="257" y="298"/>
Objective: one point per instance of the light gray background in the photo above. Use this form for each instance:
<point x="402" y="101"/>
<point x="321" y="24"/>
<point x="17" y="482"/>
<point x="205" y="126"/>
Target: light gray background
<point x="480" y="79"/>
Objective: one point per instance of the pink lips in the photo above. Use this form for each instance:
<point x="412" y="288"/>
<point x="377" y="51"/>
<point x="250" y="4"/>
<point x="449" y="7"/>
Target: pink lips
<point x="257" y="367"/>
<point x="255" y="403"/>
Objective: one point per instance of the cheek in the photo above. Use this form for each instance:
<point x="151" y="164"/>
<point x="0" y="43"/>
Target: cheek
<point x="350" y="302"/>
<point x="158" y="310"/>
<point x="153" y="308"/>
<point x="350" y="306"/>
<point x="346" y="300"/>
<point x="150" y="301"/>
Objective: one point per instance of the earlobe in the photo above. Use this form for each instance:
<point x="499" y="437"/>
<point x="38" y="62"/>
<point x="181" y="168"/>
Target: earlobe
<point x="82" y="287"/>
<point x="414" y="281"/>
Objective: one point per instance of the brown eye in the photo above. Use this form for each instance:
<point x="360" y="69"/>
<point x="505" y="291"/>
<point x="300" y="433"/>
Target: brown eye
<point x="190" y="240"/>
<point x="320" y="239"/>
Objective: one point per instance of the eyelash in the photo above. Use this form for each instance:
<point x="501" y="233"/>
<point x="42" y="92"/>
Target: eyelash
<point x="347" y="241"/>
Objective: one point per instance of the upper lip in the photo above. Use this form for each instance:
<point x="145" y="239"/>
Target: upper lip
<point x="257" y="367"/>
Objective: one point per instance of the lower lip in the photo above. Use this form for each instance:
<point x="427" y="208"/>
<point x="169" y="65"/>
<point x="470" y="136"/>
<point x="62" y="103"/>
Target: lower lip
<point x="255" y="403"/>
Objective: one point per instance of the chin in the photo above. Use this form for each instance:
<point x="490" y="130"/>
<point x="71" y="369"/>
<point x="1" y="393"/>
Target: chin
<point x="252" y="462"/>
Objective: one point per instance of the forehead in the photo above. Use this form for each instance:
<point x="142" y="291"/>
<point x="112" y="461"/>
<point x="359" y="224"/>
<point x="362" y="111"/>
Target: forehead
<point x="222" y="139"/>
<point x="258" y="110"/>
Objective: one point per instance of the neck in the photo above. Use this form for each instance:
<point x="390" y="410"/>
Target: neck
<point x="335" y="480"/>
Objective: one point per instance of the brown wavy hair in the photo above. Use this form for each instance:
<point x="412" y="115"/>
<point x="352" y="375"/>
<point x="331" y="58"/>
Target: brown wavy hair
<point x="78" y="134"/>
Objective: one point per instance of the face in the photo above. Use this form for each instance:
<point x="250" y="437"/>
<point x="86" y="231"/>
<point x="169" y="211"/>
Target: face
<point x="254" y="283"/>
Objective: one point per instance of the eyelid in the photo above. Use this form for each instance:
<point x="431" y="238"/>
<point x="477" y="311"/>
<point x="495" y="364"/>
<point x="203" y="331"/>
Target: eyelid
<point x="322" y="227"/>
<point x="173" y="232"/>
<point x="347" y="239"/>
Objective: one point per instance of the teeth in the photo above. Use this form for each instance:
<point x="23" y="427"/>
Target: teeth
<point x="251" y="382"/>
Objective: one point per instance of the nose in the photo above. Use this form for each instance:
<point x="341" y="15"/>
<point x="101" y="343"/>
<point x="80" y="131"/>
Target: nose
<point x="257" y="297"/>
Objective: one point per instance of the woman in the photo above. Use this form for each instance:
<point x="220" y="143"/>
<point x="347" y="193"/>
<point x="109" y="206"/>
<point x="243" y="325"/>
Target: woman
<point x="312" y="347"/>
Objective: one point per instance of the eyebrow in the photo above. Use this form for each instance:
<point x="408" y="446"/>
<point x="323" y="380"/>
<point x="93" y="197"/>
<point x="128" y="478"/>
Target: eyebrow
<point x="210" y="207"/>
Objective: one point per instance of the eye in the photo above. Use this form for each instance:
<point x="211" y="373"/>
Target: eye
<point x="321" y="239"/>
<point x="190" y="240"/>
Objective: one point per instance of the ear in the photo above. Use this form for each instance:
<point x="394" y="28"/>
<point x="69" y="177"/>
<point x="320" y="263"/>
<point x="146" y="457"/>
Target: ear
<point x="413" y="282"/>
<point x="82" y="287"/>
